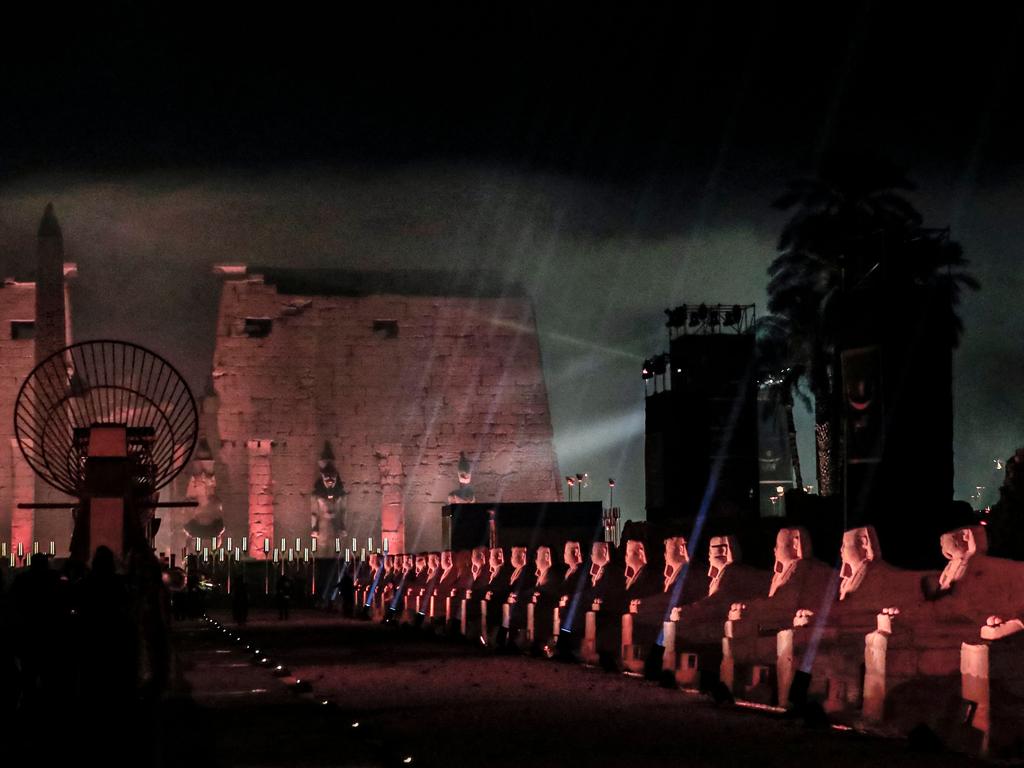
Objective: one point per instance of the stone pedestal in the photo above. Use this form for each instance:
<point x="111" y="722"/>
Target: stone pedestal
<point x="588" y="649"/>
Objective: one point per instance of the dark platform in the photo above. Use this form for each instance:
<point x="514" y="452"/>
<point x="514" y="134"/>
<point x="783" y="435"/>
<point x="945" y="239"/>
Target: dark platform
<point x="531" y="524"/>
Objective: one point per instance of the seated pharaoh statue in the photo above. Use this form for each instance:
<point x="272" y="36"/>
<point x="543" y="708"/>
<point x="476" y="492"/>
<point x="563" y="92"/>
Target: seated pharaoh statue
<point x="207" y="523"/>
<point x="327" y="519"/>
<point x="464" y="494"/>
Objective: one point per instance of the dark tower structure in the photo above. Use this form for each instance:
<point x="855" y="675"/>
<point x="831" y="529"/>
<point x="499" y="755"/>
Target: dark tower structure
<point x="897" y="387"/>
<point x="701" y="446"/>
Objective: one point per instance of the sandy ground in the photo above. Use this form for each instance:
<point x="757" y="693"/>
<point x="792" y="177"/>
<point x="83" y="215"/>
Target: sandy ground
<point x="449" y="704"/>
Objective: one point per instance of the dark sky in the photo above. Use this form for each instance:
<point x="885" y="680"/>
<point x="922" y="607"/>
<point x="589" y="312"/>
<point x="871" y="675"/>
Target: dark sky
<point x="614" y="159"/>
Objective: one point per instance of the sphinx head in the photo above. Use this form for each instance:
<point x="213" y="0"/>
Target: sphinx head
<point x="676" y="553"/>
<point x="636" y="556"/>
<point x="960" y="544"/>
<point x="463" y="560"/>
<point x="572" y="555"/>
<point x="497" y="557"/>
<point x="959" y="547"/>
<point x="791" y="545"/>
<point x="859" y="546"/>
<point x="721" y="551"/>
<point x="519" y="557"/>
<point x="479" y="556"/>
<point x="542" y="558"/>
<point x="600" y="553"/>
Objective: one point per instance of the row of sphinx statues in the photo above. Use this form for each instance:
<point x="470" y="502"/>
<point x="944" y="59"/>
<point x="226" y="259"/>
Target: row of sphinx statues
<point x="876" y="646"/>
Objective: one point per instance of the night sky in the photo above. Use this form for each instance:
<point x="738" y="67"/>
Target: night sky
<point x="614" y="160"/>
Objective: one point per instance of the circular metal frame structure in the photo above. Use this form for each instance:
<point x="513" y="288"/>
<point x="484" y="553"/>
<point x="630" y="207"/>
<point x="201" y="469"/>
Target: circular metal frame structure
<point x="104" y="382"/>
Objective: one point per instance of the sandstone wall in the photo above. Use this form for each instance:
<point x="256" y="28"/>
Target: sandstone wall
<point x="17" y="302"/>
<point x="461" y="374"/>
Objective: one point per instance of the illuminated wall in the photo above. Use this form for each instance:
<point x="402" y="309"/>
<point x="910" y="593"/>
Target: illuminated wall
<point x="397" y="377"/>
<point x="17" y="353"/>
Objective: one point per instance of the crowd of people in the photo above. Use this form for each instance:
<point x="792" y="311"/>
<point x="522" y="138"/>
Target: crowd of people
<point x="95" y="634"/>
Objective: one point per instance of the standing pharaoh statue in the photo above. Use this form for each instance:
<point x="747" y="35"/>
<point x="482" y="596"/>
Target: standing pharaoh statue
<point x="328" y="515"/>
<point x="464" y="494"/>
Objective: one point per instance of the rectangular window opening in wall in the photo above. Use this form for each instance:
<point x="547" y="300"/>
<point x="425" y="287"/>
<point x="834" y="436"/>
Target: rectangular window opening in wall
<point x="257" y="327"/>
<point x="385" y="329"/>
<point x="22" y="330"/>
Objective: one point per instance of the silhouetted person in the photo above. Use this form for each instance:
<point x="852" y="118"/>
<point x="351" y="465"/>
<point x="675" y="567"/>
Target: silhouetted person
<point x="345" y="591"/>
<point x="8" y="664"/>
<point x="240" y="602"/>
<point x="284" y="596"/>
<point x="108" y="646"/>
<point x="150" y="619"/>
<point x="37" y="614"/>
<point x="195" y="600"/>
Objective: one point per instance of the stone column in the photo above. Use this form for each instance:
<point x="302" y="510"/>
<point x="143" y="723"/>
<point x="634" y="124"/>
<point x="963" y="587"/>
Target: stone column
<point x="261" y="497"/>
<point x="392" y="503"/>
<point x="22" y="491"/>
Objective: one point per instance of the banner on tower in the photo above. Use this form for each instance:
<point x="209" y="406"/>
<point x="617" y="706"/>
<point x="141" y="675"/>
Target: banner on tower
<point x="863" y="406"/>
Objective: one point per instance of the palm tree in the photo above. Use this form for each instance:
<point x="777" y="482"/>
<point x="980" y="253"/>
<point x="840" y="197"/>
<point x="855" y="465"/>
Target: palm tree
<point x="851" y="233"/>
